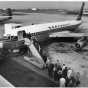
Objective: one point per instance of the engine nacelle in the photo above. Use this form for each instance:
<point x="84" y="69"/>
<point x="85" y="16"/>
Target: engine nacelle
<point x="80" y="44"/>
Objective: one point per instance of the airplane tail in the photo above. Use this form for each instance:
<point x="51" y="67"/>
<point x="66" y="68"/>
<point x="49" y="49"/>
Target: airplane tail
<point x="81" y="12"/>
<point x="9" y="13"/>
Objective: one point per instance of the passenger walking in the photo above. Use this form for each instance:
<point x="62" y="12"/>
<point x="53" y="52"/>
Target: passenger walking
<point x="50" y="70"/>
<point x="63" y="67"/>
<point x="77" y="79"/>
<point x="69" y="73"/>
<point x="59" y="72"/>
<point x="64" y="72"/>
<point x="70" y="78"/>
<point x="28" y="42"/>
<point x="55" y="72"/>
<point x="50" y="67"/>
<point x="59" y="67"/>
<point x="62" y="82"/>
<point x="44" y="58"/>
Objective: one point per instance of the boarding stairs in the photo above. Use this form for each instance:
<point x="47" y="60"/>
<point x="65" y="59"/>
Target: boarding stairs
<point x="37" y="59"/>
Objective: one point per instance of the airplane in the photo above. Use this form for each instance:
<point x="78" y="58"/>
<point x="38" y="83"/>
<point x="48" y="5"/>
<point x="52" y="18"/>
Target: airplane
<point x="41" y="32"/>
<point x="45" y="29"/>
<point x="6" y="18"/>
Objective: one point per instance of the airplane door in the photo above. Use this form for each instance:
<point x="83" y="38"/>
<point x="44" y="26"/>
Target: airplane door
<point x="20" y="35"/>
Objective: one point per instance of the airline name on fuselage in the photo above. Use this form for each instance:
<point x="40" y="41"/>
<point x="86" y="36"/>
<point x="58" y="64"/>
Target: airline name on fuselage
<point x="58" y="26"/>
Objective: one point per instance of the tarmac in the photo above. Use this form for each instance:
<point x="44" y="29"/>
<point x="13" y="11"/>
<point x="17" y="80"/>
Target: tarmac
<point x="21" y="73"/>
<point x="76" y="60"/>
<point x="21" y="69"/>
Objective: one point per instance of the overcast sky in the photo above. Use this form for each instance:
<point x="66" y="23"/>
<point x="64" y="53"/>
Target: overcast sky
<point x="42" y="4"/>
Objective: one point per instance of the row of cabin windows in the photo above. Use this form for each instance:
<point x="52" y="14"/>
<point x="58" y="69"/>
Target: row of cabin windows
<point x="58" y="26"/>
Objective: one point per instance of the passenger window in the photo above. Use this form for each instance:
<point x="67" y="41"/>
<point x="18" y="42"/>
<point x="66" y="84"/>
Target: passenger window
<point x="49" y="27"/>
<point x="55" y="26"/>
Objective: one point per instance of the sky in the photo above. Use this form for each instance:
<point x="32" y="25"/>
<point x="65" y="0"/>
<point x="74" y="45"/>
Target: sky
<point x="42" y="4"/>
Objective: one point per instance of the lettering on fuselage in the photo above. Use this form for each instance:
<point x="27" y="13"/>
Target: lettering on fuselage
<point x="57" y="26"/>
<point x="52" y="27"/>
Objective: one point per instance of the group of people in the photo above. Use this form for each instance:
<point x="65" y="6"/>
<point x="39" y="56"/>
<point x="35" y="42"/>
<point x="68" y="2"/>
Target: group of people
<point x="65" y="76"/>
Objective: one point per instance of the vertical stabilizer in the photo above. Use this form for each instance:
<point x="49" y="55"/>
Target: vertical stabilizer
<point x="81" y="12"/>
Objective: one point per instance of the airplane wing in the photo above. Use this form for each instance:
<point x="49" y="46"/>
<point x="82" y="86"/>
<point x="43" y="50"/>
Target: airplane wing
<point x="68" y="34"/>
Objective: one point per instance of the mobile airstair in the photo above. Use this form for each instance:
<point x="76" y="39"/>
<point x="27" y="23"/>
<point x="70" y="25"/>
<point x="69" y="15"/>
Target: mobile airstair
<point x="37" y="57"/>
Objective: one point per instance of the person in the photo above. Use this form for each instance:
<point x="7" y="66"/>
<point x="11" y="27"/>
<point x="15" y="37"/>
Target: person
<point x="70" y="78"/>
<point x="77" y="79"/>
<point x="59" y="72"/>
<point x="64" y="71"/>
<point x="63" y="67"/>
<point x="28" y="42"/>
<point x="55" y="72"/>
<point x="59" y="66"/>
<point x="50" y="70"/>
<point x="45" y="58"/>
<point x="47" y="61"/>
<point x="62" y="82"/>
<point x="69" y="73"/>
<point x="37" y="45"/>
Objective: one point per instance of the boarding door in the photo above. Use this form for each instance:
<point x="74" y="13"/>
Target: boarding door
<point x="20" y="35"/>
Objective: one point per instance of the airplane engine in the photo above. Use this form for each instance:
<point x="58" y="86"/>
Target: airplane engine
<point x="80" y="43"/>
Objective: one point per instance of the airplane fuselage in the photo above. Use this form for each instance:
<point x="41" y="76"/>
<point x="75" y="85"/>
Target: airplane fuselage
<point x="42" y="31"/>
